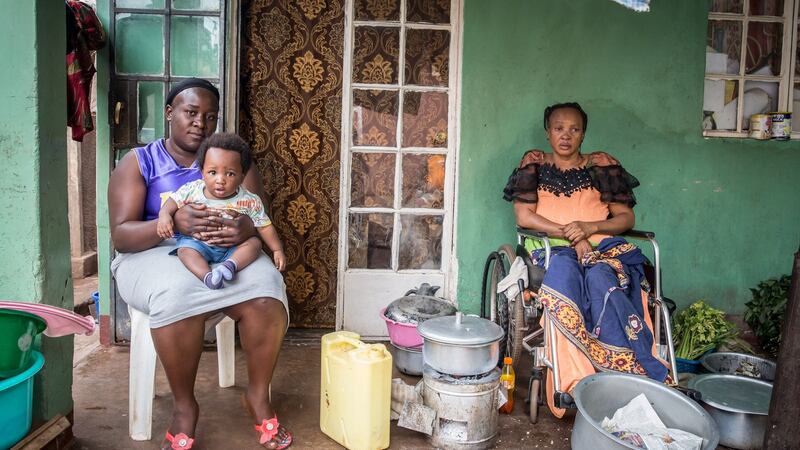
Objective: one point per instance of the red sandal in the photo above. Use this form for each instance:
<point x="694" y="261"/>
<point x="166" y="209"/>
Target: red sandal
<point x="179" y="442"/>
<point x="272" y="430"/>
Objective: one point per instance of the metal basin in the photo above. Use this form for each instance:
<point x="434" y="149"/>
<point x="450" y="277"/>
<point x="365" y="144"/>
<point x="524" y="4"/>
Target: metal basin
<point x="738" y="404"/>
<point x="739" y="364"/>
<point x="408" y="360"/>
<point x="600" y="395"/>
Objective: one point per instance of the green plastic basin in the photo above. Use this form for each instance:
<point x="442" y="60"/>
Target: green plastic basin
<point x="17" y="331"/>
<point x="16" y="398"/>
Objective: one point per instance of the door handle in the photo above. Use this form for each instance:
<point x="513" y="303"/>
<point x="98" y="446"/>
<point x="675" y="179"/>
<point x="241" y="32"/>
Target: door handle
<point x="118" y="113"/>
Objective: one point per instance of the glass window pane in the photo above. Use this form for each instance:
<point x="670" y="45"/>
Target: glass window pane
<point x="719" y="104"/>
<point x="420" y="242"/>
<point x="766" y="7"/>
<point x="726" y="6"/>
<point x="372" y="180"/>
<point x="375" y="118"/>
<point x="140" y="44"/>
<point x="388" y="10"/>
<point x="369" y="240"/>
<point x="196" y="5"/>
<point x="151" y="111"/>
<point x="423" y="181"/>
<point x="764" y="47"/>
<point x="375" y="54"/>
<point x="425" y="119"/>
<point x="724" y="45"/>
<point x="427" y="57"/>
<point x="428" y="11"/>
<point x="194" y="46"/>
<point x="140" y="4"/>
<point x="759" y="98"/>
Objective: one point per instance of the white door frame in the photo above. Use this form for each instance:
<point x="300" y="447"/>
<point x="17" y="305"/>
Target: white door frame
<point x="449" y="269"/>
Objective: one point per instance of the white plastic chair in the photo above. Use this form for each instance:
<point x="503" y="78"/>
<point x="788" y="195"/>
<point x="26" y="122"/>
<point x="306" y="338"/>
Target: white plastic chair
<point x="141" y="387"/>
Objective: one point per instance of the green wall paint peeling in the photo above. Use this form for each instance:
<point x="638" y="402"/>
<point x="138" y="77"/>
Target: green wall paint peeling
<point x="725" y="211"/>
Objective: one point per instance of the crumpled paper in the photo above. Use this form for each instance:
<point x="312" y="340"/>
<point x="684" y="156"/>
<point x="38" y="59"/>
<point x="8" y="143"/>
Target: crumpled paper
<point x="639" y="424"/>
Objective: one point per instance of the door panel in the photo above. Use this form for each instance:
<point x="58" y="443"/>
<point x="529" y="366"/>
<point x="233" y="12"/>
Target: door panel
<point x="398" y="203"/>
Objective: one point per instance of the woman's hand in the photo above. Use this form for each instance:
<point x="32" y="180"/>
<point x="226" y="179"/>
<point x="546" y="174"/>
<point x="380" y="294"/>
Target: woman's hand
<point x="234" y="229"/>
<point x="280" y="260"/>
<point x="194" y="219"/>
<point x="582" y="247"/>
<point x="578" y="231"/>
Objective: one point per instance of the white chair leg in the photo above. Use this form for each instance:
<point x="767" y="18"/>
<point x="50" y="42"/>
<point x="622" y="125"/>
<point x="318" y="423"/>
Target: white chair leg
<point x="226" y="352"/>
<point x="141" y="385"/>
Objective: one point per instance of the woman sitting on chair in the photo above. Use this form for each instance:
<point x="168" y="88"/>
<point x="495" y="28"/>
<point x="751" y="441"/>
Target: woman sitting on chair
<point x="594" y="286"/>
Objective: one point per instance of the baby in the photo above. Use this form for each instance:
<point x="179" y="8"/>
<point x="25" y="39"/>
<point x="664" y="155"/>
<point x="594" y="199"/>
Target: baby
<point x="224" y="159"/>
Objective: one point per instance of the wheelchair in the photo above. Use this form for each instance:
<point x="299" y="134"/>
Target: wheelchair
<point x="529" y="326"/>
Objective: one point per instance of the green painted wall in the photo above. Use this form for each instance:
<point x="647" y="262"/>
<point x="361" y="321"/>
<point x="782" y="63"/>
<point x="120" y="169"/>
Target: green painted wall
<point x="640" y="77"/>
<point x="34" y="234"/>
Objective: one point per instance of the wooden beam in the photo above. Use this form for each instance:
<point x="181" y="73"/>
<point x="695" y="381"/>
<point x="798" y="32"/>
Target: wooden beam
<point x="44" y="435"/>
<point x="784" y="410"/>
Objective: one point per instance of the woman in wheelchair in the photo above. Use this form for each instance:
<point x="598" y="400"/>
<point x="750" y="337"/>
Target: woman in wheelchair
<point x="594" y="287"/>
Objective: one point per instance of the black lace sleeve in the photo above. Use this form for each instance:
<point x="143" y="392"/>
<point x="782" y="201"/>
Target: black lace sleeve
<point x="522" y="185"/>
<point x="614" y="183"/>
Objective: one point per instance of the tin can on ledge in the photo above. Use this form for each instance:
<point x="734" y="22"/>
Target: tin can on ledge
<point x="760" y="125"/>
<point x="781" y="127"/>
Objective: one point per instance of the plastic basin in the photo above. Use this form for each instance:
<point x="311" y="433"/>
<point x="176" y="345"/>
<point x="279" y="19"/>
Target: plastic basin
<point x="17" y="331"/>
<point x="402" y="334"/>
<point x="16" y="398"/>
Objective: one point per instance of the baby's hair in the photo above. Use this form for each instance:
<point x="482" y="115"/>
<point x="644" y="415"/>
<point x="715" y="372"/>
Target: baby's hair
<point x="226" y="141"/>
<point x="549" y="110"/>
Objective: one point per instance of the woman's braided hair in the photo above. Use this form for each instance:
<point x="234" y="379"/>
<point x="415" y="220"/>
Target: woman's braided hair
<point x="574" y="105"/>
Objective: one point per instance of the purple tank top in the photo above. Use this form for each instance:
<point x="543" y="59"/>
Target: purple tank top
<point x="162" y="175"/>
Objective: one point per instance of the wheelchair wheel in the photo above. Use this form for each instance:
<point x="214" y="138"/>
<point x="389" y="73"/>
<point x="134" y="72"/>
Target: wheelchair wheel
<point x="498" y="303"/>
<point x="515" y="312"/>
<point x="535" y="390"/>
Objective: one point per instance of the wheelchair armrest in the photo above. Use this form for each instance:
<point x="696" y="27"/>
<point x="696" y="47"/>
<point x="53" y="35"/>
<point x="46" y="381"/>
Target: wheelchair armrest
<point x="639" y="234"/>
<point x="531" y="233"/>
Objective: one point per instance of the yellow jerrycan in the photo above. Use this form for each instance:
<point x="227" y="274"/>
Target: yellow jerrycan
<point x="355" y="392"/>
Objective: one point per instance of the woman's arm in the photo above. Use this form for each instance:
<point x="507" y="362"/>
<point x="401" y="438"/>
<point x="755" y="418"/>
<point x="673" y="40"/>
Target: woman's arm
<point x="622" y="219"/>
<point x="528" y="218"/>
<point x="126" y="197"/>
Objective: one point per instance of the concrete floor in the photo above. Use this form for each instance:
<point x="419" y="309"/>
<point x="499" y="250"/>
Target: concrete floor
<point x="100" y="392"/>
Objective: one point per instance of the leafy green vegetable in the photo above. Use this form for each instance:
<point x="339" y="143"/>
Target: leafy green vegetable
<point x="766" y="311"/>
<point x="700" y="328"/>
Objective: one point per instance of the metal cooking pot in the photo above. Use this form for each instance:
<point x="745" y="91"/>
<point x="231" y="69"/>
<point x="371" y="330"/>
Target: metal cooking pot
<point x="461" y="345"/>
<point x="419" y="305"/>
<point x="602" y="394"/>
<point x="408" y="359"/>
<point x="738" y="404"/>
<point x="739" y="364"/>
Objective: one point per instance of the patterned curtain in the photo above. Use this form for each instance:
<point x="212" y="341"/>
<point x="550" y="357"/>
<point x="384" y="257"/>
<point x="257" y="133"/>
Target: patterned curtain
<point x="291" y="87"/>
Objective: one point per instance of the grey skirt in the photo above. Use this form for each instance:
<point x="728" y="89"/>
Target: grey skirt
<point x="154" y="282"/>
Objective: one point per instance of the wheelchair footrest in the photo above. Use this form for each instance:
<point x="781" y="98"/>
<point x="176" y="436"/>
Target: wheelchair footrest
<point x="563" y="400"/>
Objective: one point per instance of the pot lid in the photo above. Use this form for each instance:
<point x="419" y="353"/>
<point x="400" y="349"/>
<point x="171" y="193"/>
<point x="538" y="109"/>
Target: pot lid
<point x="419" y="305"/>
<point x="460" y="330"/>
<point x="734" y="393"/>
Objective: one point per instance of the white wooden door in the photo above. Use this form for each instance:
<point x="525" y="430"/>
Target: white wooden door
<point x="399" y="141"/>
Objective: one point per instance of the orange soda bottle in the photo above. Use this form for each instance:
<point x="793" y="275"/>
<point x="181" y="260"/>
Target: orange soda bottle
<point x="507" y="380"/>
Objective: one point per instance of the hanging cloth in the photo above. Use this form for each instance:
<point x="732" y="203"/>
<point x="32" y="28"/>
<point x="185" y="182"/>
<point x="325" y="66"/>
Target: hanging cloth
<point x="636" y="5"/>
<point x="84" y="34"/>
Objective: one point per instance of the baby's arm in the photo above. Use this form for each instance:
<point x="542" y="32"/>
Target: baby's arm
<point x="164" y="226"/>
<point x="270" y="236"/>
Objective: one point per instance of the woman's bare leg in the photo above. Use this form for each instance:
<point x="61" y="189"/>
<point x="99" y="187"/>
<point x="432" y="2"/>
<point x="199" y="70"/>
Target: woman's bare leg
<point x="179" y="346"/>
<point x="262" y="324"/>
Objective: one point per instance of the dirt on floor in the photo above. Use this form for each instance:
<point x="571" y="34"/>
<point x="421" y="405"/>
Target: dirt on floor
<point x="100" y="391"/>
